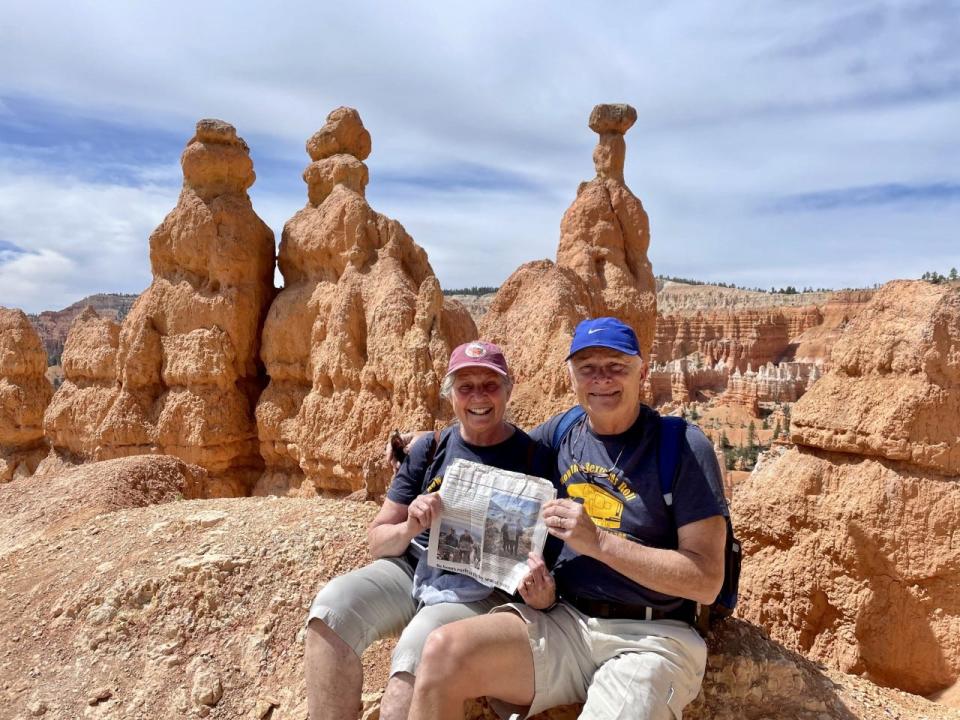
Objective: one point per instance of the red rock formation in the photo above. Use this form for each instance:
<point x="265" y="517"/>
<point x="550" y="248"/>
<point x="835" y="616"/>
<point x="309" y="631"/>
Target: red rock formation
<point x="687" y="379"/>
<point x="742" y="392"/>
<point x="24" y="394"/>
<point x="601" y="269"/>
<point x="816" y="343"/>
<point x="851" y="536"/>
<point x="72" y="421"/>
<point x="358" y="340"/>
<point x="605" y="233"/>
<point x="187" y="372"/>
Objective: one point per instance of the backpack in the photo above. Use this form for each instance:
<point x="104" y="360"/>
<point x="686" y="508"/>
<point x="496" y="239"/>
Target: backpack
<point x="672" y="430"/>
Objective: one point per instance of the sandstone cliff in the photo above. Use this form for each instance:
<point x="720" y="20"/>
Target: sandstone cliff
<point x="677" y="298"/>
<point x="601" y="269"/>
<point x="851" y="537"/>
<point x="24" y="394"/>
<point x="358" y="340"/>
<point x="187" y="371"/>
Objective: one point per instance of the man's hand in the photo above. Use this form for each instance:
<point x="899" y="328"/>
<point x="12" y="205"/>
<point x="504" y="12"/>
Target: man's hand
<point x="537" y="588"/>
<point x="421" y="512"/>
<point x="403" y="441"/>
<point x="568" y="520"/>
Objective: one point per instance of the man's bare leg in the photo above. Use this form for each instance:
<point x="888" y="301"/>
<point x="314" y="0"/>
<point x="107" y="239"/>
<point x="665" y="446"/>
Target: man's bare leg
<point x="334" y="675"/>
<point x="484" y="655"/>
<point x="397" y="697"/>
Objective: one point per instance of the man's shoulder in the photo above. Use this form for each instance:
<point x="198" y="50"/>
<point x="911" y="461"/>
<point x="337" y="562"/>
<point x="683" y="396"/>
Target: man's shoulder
<point x="697" y="441"/>
<point x="545" y="431"/>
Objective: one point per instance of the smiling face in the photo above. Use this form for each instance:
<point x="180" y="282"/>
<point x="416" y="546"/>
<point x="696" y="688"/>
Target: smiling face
<point x="479" y="398"/>
<point x="607" y="384"/>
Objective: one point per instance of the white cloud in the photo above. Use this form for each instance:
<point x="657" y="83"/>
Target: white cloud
<point x="739" y="104"/>
<point x="78" y="238"/>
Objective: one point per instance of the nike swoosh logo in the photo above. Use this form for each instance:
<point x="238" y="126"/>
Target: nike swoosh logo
<point x="596" y="330"/>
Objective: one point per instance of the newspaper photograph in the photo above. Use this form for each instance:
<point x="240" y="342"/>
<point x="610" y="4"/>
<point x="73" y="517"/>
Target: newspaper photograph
<point x="490" y="521"/>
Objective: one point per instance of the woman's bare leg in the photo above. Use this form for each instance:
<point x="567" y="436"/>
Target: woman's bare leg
<point x="334" y="675"/>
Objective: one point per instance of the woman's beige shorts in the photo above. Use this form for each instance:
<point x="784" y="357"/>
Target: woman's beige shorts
<point x="375" y="602"/>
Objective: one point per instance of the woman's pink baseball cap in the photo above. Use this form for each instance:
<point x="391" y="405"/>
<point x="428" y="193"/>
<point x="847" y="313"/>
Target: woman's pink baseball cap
<point x="478" y="354"/>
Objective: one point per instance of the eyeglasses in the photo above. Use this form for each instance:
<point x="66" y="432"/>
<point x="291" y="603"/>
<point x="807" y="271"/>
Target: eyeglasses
<point x="491" y="387"/>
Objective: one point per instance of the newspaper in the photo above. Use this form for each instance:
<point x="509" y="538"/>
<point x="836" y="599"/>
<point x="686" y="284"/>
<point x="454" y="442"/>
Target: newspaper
<point x="490" y="521"/>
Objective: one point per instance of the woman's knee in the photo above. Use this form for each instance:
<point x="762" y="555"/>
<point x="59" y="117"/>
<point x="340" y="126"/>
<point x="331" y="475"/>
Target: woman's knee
<point x="319" y="636"/>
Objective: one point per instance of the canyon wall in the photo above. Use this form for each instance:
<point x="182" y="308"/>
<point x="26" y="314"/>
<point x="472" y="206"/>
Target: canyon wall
<point x="736" y="338"/>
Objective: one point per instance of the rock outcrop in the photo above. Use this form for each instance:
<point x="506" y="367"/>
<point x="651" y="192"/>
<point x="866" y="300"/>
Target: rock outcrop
<point x="187" y="370"/>
<point x="816" y="343"/>
<point x="36" y="509"/>
<point x="24" y="394"/>
<point x="358" y="340"/>
<point x="72" y="421"/>
<point x="851" y="537"/>
<point x="601" y="269"/>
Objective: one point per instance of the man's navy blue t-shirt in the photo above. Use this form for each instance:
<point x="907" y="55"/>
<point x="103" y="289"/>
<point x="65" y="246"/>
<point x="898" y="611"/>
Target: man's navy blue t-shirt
<point x="615" y="476"/>
<point x="418" y="475"/>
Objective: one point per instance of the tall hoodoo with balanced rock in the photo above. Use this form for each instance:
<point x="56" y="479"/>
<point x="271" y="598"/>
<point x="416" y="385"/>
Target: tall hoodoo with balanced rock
<point x="601" y="269"/>
<point x="358" y="340"/>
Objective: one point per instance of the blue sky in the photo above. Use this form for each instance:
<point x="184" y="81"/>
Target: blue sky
<point x="813" y="143"/>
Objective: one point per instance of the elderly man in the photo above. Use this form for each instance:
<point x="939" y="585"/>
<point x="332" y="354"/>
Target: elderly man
<point x="628" y="579"/>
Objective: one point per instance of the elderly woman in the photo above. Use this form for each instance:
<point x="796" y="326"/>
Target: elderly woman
<point x="399" y="594"/>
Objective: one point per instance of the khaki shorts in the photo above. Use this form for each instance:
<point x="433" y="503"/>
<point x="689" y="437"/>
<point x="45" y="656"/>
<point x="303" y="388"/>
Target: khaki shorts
<point x="646" y="669"/>
<point x="375" y="602"/>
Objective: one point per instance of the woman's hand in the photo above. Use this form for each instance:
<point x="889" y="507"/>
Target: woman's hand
<point x="421" y="512"/>
<point x="569" y="521"/>
<point x="537" y="588"/>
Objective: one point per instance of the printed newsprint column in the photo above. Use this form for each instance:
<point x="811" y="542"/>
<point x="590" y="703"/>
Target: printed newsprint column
<point x="490" y="521"/>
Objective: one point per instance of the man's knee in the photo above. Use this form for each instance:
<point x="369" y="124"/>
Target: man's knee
<point x="443" y="658"/>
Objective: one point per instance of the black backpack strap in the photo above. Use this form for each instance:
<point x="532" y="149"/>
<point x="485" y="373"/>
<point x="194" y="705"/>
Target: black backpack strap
<point x="431" y="453"/>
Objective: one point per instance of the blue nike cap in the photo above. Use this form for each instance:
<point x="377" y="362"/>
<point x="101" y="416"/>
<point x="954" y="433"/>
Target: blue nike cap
<point x="605" y="332"/>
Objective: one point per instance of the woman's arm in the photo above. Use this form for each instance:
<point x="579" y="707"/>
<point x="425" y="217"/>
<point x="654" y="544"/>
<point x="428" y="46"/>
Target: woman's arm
<point x="396" y="524"/>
